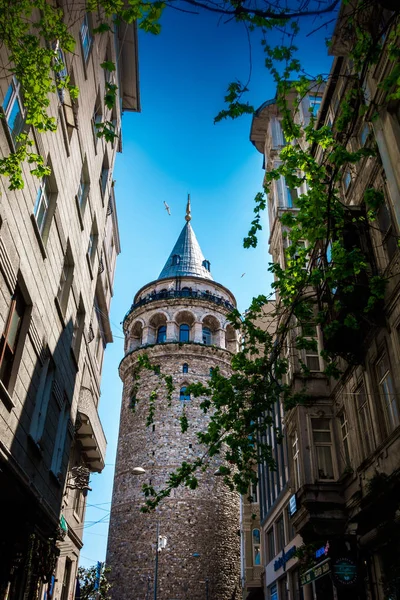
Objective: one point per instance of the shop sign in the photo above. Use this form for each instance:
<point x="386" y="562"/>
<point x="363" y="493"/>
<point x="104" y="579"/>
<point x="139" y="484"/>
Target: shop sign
<point x="316" y="572"/>
<point x="323" y="551"/>
<point x="345" y="571"/>
<point x="282" y="560"/>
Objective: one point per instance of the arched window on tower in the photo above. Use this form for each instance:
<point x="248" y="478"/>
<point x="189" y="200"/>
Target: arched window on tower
<point x="161" y="334"/>
<point x="185" y="368"/>
<point x="176" y="259"/>
<point x="183" y="395"/>
<point x="185" y="292"/>
<point x="207" y="337"/>
<point x="184" y="332"/>
<point x="206" y="264"/>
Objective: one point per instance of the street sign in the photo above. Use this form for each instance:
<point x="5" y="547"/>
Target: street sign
<point x="316" y="572"/>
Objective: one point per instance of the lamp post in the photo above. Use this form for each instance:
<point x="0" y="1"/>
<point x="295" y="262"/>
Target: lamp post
<point x="156" y="563"/>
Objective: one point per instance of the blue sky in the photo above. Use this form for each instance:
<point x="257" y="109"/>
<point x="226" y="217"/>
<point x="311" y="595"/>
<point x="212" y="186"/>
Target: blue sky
<point x="173" y="148"/>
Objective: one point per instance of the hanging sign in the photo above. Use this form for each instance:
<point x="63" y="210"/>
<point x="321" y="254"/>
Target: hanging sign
<point x="344" y="571"/>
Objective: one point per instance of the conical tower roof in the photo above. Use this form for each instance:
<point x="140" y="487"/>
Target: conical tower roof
<point x="186" y="258"/>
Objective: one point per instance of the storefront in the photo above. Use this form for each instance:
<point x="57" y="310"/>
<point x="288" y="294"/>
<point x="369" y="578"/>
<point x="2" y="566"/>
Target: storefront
<point x="282" y="574"/>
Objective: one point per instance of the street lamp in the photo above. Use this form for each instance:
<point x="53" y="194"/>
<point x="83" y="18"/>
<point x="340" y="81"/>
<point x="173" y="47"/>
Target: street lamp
<point x="161" y="541"/>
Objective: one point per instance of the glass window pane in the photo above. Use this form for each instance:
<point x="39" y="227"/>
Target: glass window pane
<point x="324" y="462"/>
<point x="184" y="331"/>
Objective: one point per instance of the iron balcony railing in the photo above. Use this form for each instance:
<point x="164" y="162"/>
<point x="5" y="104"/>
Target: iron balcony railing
<point x="170" y="294"/>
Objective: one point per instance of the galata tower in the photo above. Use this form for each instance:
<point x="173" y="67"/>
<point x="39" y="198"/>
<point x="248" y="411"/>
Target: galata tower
<point x="180" y="321"/>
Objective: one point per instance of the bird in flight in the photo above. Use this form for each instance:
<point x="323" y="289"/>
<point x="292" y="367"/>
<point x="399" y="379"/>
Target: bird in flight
<point x="243" y="274"/>
<point x="167" y="208"/>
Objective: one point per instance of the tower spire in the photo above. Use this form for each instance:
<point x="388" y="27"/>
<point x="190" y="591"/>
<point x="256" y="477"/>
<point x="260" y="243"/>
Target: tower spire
<point x="188" y="210"/>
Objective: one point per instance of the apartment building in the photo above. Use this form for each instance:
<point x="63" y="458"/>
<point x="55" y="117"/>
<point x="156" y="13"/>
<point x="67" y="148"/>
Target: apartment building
<point x="335" y="495"/>
<point x="59" y="242"/>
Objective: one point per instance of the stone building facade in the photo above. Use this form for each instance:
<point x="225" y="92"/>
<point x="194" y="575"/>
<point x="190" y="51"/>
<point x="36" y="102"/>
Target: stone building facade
<point x="341" y="452"/>
<point x="58" y="246"/>
<point x="180" y="322"/>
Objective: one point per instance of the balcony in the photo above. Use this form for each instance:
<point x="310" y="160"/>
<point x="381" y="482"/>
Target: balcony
<point x="90" y="432"/>
<point x="170" y="294"/>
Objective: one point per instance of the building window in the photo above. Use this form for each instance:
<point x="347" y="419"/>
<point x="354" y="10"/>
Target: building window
<point x="296" y="460"/>
<point x="65" y="284"/>
<point x="273" y="592"/>
<point x="42" y="401"/>
<point x="14" y="109"/>
<point x="59" y="443"/>
<point x="66" y="579"/>
<point x="105" y="170"/>
<point x="309" y="331"/>
<point x="92" y="245"/>
<point x="161" y="334"/>
<point x="61" y="72"/>
<point x="364" y="421"/>
<point x="10" y="337"/>
<point x="364" y="133"/>
<point x="207" y="336"/>
<point x="389" y="237"/>
<point x="184" y="332"/>
<point x="347" y="179"/>
<point x="97" y="118"/>
<point x="344" y="428"/>
<point x="291" y="196"/>
<point x="176" y="259"/>
<point x="183" y="395"/>
<point x="42" y="204"/>
<point x="387" y="392"/>
<point x="256" y="547"/>
<point x="86" y="37"/>
<point x="185" y="368"/>
<point x="83" y="189"/>
<point x="78" y="503"/>
<point x="322" y="439"/>
<point x="206" y="264"/>
<point x="254" y="493"/>
<point x="271" y="544"/>
<point x="77" y="333"/>
<point x="315" y="104"/>
<point x="280" y="534"/>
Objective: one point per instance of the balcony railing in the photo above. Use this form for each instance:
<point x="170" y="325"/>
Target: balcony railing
<point x="170" y="294"/>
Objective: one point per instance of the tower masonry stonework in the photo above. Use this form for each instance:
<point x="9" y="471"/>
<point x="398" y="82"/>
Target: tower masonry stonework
<point x="180" y="322"/>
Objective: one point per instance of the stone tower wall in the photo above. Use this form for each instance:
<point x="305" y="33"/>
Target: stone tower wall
<point x="201" y="525"/>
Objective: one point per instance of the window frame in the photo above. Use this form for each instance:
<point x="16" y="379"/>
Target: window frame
<point x="296" y="458"/>
<point x="42" y="193"/>
<point x="391" y="425"/>
<point x="161" y="333"/>
<point x="65" y="281"/>
<point x="184" y="332"/>
<point x="183" y="397"/>
<point x="345" y="437"/>
<point x="256" y="547"/>
<point x="364" y="422"/>
<point x="323" y="444"/>
<point x="17" y="304"/>
<point x="86" y="37"/>
<point x="14" y="95"/>
<point x="206" y="336"/>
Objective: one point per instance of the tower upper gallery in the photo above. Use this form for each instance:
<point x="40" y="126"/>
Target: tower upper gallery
<point x="184" y="304"/>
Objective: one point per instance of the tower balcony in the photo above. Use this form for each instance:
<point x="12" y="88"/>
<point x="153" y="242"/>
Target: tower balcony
<point x="185" y="293"/>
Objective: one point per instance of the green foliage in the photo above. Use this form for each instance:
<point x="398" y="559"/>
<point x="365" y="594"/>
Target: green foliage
<point x="87" y="580"/>
<point x="327" y="279"/>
